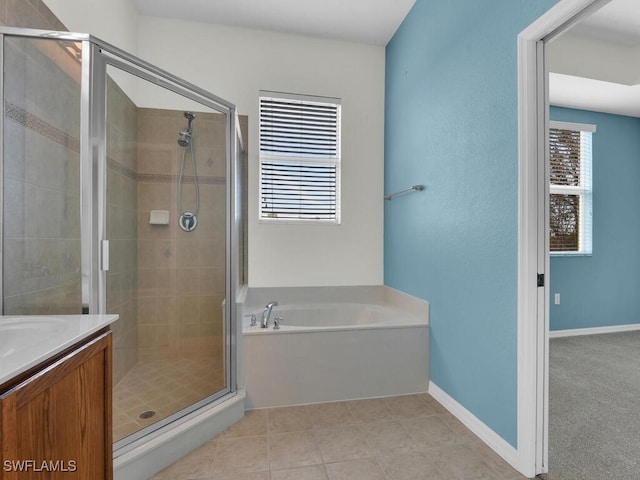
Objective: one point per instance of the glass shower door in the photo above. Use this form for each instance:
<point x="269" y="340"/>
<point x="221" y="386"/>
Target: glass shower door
<point x="166" y="223"/>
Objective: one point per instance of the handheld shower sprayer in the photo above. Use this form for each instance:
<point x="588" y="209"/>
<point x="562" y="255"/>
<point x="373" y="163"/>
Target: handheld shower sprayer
<point x="188" y="220"/>
<point x="184" y="138"/>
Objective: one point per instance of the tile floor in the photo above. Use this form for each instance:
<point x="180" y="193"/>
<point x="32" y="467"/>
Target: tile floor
<point x="397" y="438"/>
<point x="163" y="386"/>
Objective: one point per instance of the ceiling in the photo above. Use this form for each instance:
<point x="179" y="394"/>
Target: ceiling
<point x="375" y="21"/>
<point x="364" y="21"/>
<point x="617" y="25"/>
<point x="617" y="22"/>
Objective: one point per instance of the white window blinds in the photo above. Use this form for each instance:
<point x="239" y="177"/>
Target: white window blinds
<point x="299" y="158"/>
<point x="570" y="201"/>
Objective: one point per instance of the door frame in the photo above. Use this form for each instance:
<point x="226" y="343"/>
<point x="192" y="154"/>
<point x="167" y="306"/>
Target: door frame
<point x="533" y="227"/>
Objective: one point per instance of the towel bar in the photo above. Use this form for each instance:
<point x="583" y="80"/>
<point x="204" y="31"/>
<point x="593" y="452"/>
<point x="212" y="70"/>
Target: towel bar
<point x="413" y="187"/>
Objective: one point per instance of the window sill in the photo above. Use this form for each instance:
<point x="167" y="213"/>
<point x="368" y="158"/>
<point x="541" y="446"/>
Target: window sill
<point x="291" y="221"/>
<point x="571" y="254"/>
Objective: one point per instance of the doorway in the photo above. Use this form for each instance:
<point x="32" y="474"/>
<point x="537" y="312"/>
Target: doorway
<point x="593" y="304"/>
<point x="533" y="238"/>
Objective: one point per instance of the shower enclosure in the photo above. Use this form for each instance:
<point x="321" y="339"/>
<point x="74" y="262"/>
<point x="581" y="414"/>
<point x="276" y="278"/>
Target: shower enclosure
<point x="121" y="194"/>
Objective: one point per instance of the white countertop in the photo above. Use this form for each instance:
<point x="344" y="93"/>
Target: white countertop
<point x="27" y="340"/>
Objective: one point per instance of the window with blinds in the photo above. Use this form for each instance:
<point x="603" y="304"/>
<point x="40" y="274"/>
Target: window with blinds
<point x="570" y="188"/>
<point x="299" y="158"/>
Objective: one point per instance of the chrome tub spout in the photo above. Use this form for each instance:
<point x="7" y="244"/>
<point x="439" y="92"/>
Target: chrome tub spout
<point x="267" y="314"/>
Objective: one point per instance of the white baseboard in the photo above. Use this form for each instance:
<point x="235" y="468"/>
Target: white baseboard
<point x="574" y="332"/>
<point x="488" y="436"/>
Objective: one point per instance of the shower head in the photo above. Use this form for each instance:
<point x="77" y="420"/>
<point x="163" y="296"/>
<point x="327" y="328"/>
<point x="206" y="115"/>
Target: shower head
<point x="185" y="138"/>
<point x="185" y="135"/>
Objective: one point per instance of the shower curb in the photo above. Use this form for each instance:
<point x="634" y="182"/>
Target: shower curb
<point x="152" y="456"/>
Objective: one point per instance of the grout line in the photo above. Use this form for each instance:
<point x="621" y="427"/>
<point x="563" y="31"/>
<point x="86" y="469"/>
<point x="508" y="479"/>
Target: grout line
<point x="268" y="444"/>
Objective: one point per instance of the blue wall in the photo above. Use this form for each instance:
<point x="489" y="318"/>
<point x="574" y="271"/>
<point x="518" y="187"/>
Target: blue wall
<point x="603" y="289"/>
<point x="451" y="124"/>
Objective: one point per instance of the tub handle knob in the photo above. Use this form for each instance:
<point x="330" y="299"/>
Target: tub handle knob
<point x="253" y="321"/>
<point x="276" y="323"/>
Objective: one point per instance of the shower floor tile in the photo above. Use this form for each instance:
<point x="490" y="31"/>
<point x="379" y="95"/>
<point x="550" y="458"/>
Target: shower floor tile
<point x="409" y="437"/>
<point x="163" y="387"/>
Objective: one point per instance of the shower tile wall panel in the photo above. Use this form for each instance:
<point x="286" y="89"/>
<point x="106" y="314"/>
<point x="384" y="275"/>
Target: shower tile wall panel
<point x="29" y="14"/>
<point x="181" y="276"/>
<point x="122" y="227"/>
<point x="41" y="214"/>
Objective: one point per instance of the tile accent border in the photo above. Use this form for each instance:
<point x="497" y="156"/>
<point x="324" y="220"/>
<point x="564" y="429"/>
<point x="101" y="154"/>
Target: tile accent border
<point x="44" y="128"/>
<point x="162" y="178"/>
<point x="40" y="126"/>
<point x="121" y="169"/>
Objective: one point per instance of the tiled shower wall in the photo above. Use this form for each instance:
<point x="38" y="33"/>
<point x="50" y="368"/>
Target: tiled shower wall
<point x="181" y="275"/>
<point x="41" y="214"/>
<point x="28" y="14"/>
<point x="34" y="284"/>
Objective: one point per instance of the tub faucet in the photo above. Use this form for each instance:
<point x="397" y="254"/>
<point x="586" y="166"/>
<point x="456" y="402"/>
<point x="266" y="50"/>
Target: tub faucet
<point x="267" y="313"/>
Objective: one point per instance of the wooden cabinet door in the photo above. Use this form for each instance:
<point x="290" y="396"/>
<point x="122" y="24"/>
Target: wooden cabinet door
<point x="57" y="423"/>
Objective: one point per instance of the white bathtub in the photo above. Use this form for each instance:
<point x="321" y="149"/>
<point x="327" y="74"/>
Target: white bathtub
<point x="334" y="343"/>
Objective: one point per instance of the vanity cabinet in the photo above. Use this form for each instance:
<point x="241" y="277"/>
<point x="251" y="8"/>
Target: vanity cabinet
<point x="55" y="419"/>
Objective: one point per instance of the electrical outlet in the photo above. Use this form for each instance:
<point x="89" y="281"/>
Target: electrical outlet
<point x="556" y="299"/>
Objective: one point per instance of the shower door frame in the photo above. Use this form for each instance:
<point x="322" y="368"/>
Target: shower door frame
<point x="97" y="55"/>
<point x="102" y="56"/>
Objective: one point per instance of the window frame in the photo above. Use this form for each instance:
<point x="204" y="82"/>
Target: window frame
<point x="584" y="191"/>
<point x="300" y="160"/>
